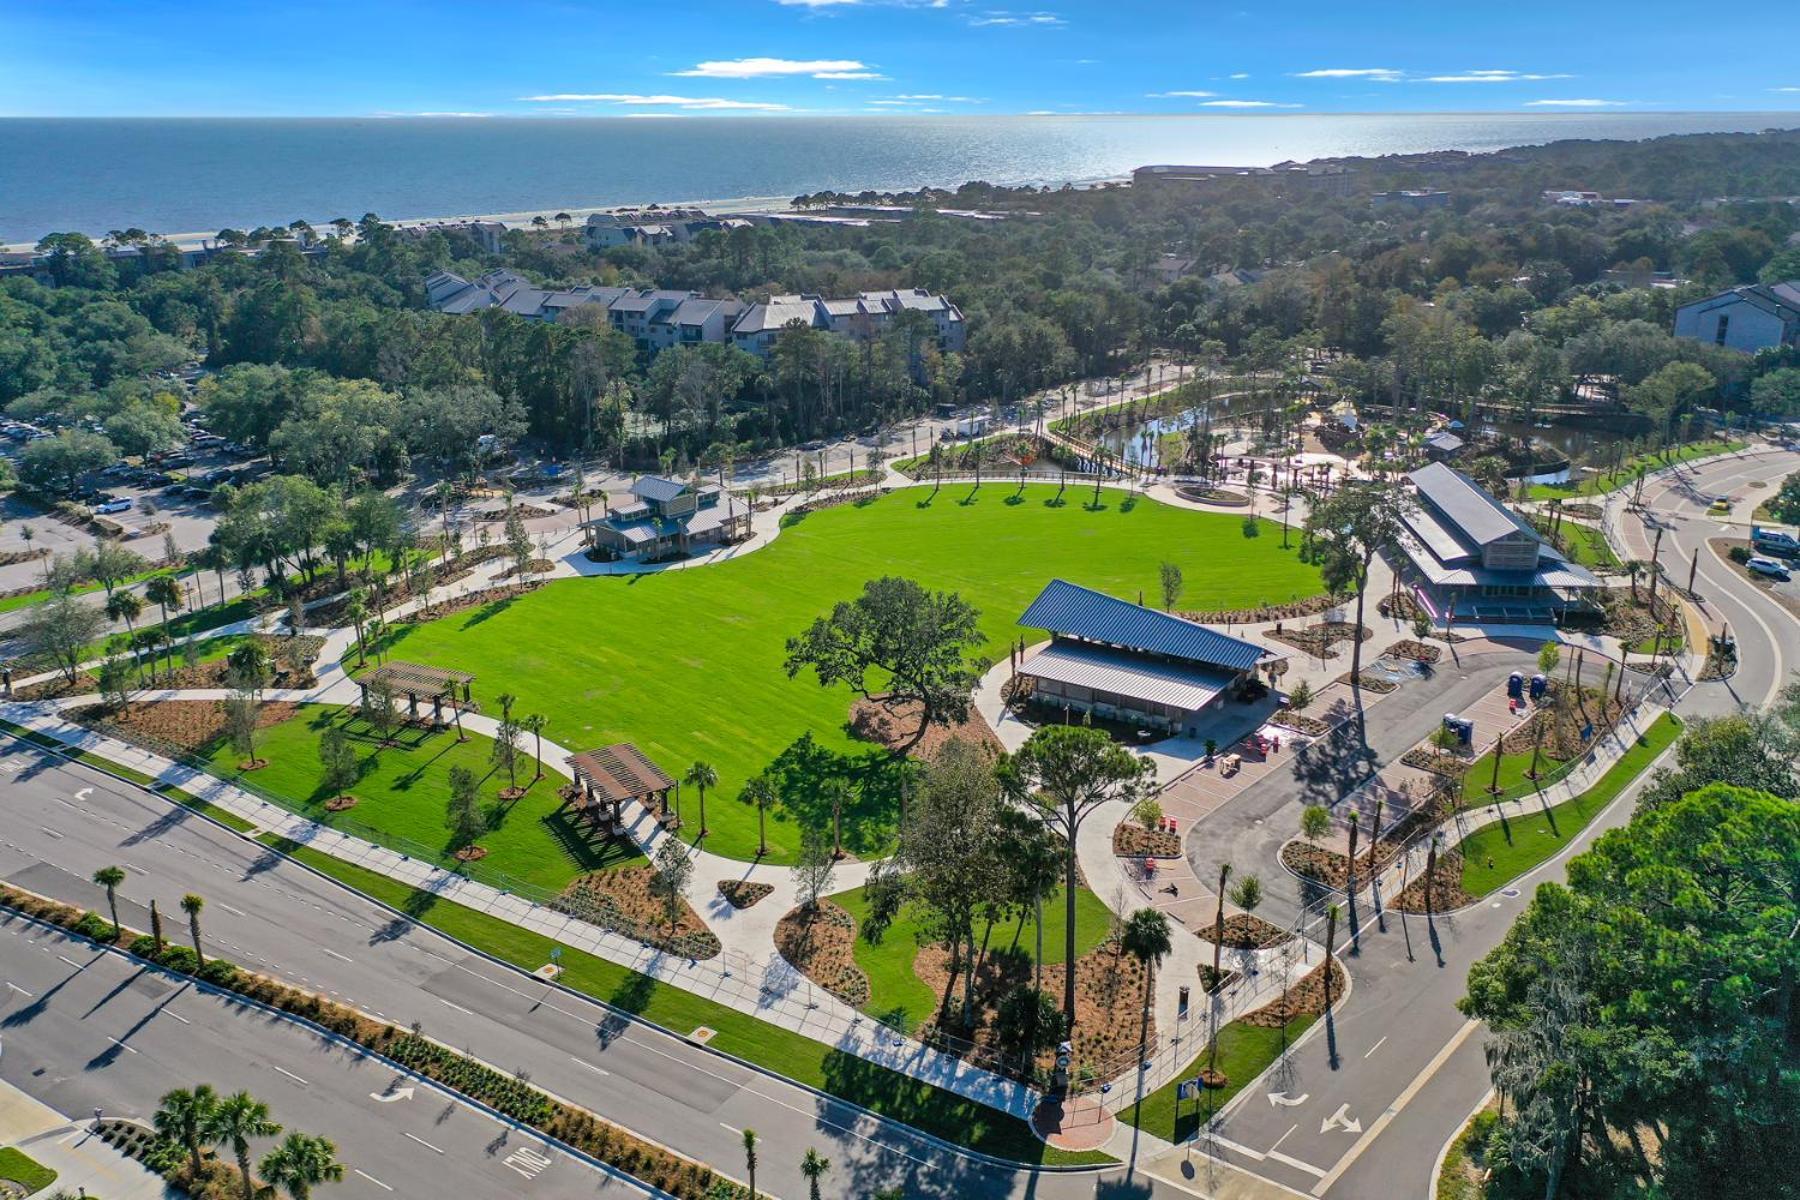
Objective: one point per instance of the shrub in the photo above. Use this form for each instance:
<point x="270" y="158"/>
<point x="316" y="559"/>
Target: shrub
<point x="95" y="926"/>
<point x="1739" y="554"/>
<point x="1252" y="527"/>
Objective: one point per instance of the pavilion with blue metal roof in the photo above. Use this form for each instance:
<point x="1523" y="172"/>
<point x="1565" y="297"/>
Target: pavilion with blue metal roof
<point x="1123" y="661"/>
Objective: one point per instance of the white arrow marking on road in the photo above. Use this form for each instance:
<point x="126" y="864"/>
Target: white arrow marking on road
<point x="84" y="793"/>
<point x="1282" y="1099"/>
<point x="1341" y="1119"/>
<point x="404" y="1093"/>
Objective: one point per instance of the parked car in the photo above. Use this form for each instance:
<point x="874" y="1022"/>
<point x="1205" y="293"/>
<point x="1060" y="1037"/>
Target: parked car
<point x="196" y="492"/>
<point x="1768" y="567"/>
<point x="117" y="505"/>
<point x="220" y="475"/>
<point x="175" y="489"/>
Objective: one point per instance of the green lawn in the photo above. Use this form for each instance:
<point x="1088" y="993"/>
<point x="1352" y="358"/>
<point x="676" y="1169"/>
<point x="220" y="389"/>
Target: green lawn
<point x="401" y="799"/>
<point x="688" y="664"/>
<point x="964" y="1122"/>
<point x="1586" y="545"/>
<point x="1601" y="482"/>
<point x="25" y="1171"/>
<point x="1245" y="1051"/>
<point x="9" y="603"/>
<point x="899" y="997"/>
<point x="1491" y="858"/>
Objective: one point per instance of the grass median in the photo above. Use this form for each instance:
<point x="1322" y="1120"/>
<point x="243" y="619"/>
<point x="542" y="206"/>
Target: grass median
<point x="1602" y="482"/>
<point x="907" y="1100"/>
<point x="1245" y="1052"/>
<point x="1497" y="854"/>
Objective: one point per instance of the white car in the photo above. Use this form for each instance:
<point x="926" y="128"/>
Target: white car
<point x="122" y="504"/>
<point x="1769" y="567"/>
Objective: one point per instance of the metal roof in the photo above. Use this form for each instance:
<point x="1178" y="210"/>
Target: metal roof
<point x="657" y="489"/>
<point x="1471" y="511"/>
<point x="1074" y="611"/>
<point x="620" y="772"/>
<point x="1114" y="671"/>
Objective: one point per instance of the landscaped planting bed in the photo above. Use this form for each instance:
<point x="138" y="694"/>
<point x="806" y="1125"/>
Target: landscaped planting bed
<point x="1299" y="722"/>
<point x="1416" y="650"/>
<point x="290" y="664"/>
<point x="1371" y="682"/>
<point x="1305" y="607"/>
<point x="1320" y="639"/>
<point x="820" y="943"/>
<point x="177" y="728"/>
<point x="741" y="893"/>
<point x="1331" y="868"/>
<point x="895" y="725"/>
<point x="1304" y="998"/>
<point x="688" y="653"/>
<point x="1131" y="840"/>
<point x="1438" y="762"/>
<point x="1246" y="931"/>
<point x="577" y="1127"/>
<point x="1446" y="894"/>
<point x="620" y="899"/>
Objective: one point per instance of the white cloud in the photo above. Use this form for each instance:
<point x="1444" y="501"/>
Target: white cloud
<point x="1582" y="103"/>
<point x="941" y="97"/>
<point x="850" y="75"/>
<point x="1245" y="104"/>
<point x="1003" y="18"/>
<point x="1381" y="74"/>
<point x="636" y="100"/>
<point x="758" y="68"/>
<point x="1239" y="75"/>
<point x="653" y="116"/>
<point x="1785" y="89"/>
<point x="1176" y="95"/>
<point x="1491" y="77"/>
<point x="814" y="3"/>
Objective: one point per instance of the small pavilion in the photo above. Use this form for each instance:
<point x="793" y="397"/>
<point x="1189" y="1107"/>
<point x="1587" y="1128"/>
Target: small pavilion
<point x="416" y="681"/>
<point x="612" y="775"/>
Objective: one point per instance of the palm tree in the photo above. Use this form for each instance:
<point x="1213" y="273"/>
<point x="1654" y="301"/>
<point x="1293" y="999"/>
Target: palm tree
<point x="110" y="878"/>
<point x="191" y="905"/>
<point x="238" y="1118"/>
<point x="750" y="1159"/>
<point x="1146" y="938"/>
<point x="184" y="1116"/>
<point x="760" y="791"/>
<point x="299" y="1163"/>
<point x="534" y="725"/>
<point x="164" y="592"/>
<point x="127" y="607"/>
<point x="837" y="791"/>
<point x="1355" y="821"/>
<point x="701" y="775"/>
<point x="358" y="612"/>
<point x="814" y="1166"/>
<point x="1331" y="920"/>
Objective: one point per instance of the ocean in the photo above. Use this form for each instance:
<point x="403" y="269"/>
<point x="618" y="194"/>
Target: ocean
<point x="185" y="176"/>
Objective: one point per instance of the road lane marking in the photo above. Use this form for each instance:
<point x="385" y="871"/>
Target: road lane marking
<point x="71" y="962"/>
<point x="121" y="1045"/>
<point x="1376" y="1046"/>
<point x="451" y="1004"/>
<point x="590" y="1066"/>
<point x="15" y="987"/>
<point x="527" y="1162"/>
<point x="1283" y="1137"/>
<point x="50" y="831"/>
<point x="421" y="1142"/>
<point x="1393" y="1110"/>
<point x="371" y="1179"/>
<point x="1298" y="1164"/>
<point x="177" y="1016"/>
<point x="335" y="954"/>
<point x="290" y="1075"/>
<point x="731" y="1129"/>
<point x="234" y="911"/>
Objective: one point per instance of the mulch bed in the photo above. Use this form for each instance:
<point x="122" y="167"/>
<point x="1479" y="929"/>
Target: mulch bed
<point x="340" y="803"/>
<point x="1311" y="606"/>
<point x="1210" y="983"/>
<point x="1371" y="682"/>
<point x="741" y="893"/>
<point x="1417" y="651"/>
<point x="1244" y="931"/>
<point x="1318" y="639"/>
<point x="469" y="854"/>
<point x="1590" y="512"/>
<point x="1131" y="840"/>
<point x="1399" y="606"/>
<point x="620" y="899"/>
<point x="1438" y="762"/>
<point x="1331" y="868"/>
<point x="1562" y="726"/>
<point x="1109" y="990"/>
<point x="1218" y="496"/>
<point x="893" y="723"/>
<point x="1299" y="722"/>
<point x="1304" y="998"/>
<point x="284" y="654"/>
<point x="821" y="944"/>
<point x="182" y="726"/>
<point x="458" y="604"/>
<point x="537" y="566"/>
<point x="1446" y="895"/>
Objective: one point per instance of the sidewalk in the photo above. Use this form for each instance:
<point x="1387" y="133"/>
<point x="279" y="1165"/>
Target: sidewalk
<point x="82" y="1162"/>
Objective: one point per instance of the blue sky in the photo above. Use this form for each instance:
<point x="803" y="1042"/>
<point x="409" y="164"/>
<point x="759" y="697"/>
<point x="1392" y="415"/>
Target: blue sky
<point x="779" y="57"/>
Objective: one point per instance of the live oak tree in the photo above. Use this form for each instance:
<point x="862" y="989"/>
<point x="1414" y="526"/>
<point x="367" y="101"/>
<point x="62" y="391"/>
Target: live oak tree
<point x="672" y="870"/>
<point x="338" y="761"/>
<point x="1344" y="532"/>
<point x="462" y="810"/>
<point x="1644" y="1013"/>
<point x="1063" y="773"/>
<point x="60" y="630"/>
<point x="913" y="640"/>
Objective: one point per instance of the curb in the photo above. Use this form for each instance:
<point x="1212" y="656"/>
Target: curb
<point x="948" y="1147"/>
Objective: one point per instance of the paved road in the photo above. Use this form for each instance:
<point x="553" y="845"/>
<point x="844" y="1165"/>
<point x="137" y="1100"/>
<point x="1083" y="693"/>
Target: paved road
<point x="81" y="1029"/>
<point x="1397" y="1059"/>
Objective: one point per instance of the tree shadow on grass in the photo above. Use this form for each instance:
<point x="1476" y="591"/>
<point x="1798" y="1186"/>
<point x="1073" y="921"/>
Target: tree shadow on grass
<point x="590" y="849"/>
<point x="488" y="612"/>
<point x="802" y="772"/>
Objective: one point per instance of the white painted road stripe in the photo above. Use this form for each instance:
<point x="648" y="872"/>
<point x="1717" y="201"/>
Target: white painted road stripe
<point x="421" y="1142"/>
<point x="121" y="1045"/>
<point x="15" y="987"/>
<point x="177" y="1016"/>
<point x="335" y="954"/>
<point x="590" y="1066"/>
<point x="1400" y="1102"/>
<point x="234" y="911"/>
<point x="371" y="1178"/>
<point x="448" y="1004"/>
<point x="1376" y="1046"/>
<point x="290" y="1075"/>
<point x="71" y="962"/>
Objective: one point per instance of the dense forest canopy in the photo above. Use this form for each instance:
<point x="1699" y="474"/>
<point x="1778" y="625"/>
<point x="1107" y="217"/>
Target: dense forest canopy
<point x="333" y="361"/>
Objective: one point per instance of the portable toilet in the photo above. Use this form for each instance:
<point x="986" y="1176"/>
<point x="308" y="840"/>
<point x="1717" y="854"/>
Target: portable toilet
<point x="1539" y="685"/>
<point x="1515" y="686"/>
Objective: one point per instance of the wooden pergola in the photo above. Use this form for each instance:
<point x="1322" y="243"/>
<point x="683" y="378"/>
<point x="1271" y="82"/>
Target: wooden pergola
<point x="612" y="775"/>
<point x="415" y="680"/>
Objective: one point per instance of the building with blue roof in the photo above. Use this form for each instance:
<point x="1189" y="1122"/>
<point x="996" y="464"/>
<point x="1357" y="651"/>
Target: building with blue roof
<point x="1124" y="662"/>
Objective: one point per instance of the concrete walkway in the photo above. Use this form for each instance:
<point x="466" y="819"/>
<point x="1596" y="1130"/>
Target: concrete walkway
<point x="83" y="1163"/>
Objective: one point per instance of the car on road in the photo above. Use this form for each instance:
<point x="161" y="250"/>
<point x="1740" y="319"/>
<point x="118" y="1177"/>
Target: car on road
<point x="117" y="505"/>
<point x="815" y="444"/>
<point x="1768" y="567"/>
